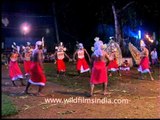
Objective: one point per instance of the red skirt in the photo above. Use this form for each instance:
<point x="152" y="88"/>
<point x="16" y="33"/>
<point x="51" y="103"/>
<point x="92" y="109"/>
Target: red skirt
<point x="61" y="67"/>
<point x="99" y="73"/>
<point x="113" y="66"/>
<point x="144" y="65"/>
<point x="37" y="74"/>
<point x="14" y="71"/>
<point x="82" y="65"/>
<point x="27" y="65"/>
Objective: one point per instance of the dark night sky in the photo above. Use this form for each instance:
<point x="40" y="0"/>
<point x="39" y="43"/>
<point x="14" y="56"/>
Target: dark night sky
<point x="77" y="19"/>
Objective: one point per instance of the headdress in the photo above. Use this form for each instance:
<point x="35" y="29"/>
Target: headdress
<point x="37" y="44"/>
<point x="60" y="47"/>
<point x="15" y="47"/>
<point x="80" y="46"/>
<point x="98" y="45"/>
<point x="142" y="44"/>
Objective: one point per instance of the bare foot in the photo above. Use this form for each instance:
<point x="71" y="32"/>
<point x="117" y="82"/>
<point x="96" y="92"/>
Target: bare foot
<point x="106" y="93"/>
<point x="152" y="78"/>
<point x="89" y="95"/>
<point x="25" y="92"/>
<point x="40" y="95"/>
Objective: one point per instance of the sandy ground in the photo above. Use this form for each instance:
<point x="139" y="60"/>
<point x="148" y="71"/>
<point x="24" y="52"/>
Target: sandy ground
<point x="136" y="100"/>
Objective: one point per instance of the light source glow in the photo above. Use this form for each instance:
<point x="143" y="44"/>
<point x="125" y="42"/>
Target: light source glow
<point x="149" y="39"/>
<point x="25" y="28"/>
<point x="139" y="34"/>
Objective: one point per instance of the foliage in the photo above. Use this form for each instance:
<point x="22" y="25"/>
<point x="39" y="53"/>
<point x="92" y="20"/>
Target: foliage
<point x="8" y="108"/>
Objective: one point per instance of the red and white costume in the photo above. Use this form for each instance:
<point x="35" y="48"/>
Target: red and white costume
<point x="36" y="71"/>
<point x="99" y="73"/>
<point x="144" y="65"/>
<point x="60" y="54"/>
<point x="61" y="67"/>
<point x="82" y="65"/>
<point x="99" y="70"/>
<point x="27" y="62"/>
<point x="113" y="65"/>
<point x="14" y="70"/>
<point x="125" y="66"/>
<point x="37" y="74"/>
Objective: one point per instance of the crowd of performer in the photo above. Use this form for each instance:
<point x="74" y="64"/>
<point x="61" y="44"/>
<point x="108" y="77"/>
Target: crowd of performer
<point x="101" y="64"/>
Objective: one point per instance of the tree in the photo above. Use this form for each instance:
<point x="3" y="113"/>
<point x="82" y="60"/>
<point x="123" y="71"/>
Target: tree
<point x="55" y="22"/>
<point x="118" y="32"/>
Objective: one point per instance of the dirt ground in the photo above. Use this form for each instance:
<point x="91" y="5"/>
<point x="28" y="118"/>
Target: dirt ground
<point x="143" y="101"/>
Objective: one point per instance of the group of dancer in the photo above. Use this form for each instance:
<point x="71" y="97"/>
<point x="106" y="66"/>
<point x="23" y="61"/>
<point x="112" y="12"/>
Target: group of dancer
<point x="34" y="70"/>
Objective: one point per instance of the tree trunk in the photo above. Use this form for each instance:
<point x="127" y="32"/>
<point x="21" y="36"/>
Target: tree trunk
<point x="55" y="22"/>
<point x="117" y="25"/>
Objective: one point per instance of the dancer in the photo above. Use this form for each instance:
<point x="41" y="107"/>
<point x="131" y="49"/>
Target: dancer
<point x="82" y="65"/>
<point x="37" y="70"/>
<point x="113" y="65"/>
<point x="144" y="63"/>
<point x="15" y="72"/>
<point x="125" y="66"/>
<point x="99" y="71"/>
<point x="60" y="55"/>
<point x="27" y="59"/>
